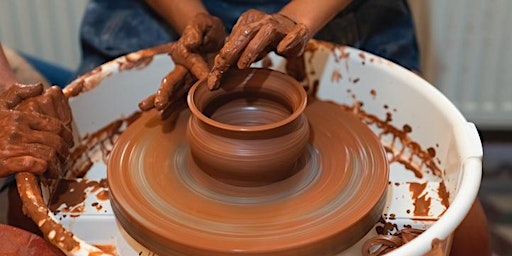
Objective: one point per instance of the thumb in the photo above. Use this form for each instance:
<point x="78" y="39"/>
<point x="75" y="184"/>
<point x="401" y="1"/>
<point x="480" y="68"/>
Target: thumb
<point x="294" y="43"/>
<point x="18" y="92"/>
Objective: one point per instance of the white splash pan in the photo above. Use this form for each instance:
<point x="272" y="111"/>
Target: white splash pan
<point x="345" y="75"/>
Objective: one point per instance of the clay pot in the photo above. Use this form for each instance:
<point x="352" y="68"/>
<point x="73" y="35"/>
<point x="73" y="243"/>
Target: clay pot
<point x="252" y="130"/>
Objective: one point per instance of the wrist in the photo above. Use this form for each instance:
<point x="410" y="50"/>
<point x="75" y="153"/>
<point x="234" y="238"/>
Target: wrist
<point x="313" y="16"/>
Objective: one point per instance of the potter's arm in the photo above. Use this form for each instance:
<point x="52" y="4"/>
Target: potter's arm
<point x="287" y="32"/>
<point x="313" y="14"/>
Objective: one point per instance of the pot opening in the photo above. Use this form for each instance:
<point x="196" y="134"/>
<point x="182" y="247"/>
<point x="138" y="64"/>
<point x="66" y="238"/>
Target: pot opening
<point x="248" y="108"/>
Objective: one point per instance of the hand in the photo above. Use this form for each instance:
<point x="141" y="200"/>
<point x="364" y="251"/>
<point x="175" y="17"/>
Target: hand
<point x="191" y="53"/>
<point x="254" y="35"/>
<point x="35" y="133"/>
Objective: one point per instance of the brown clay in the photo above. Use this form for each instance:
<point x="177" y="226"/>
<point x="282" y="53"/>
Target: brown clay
<point x="165" y="201"/>
<point x="250" y="132"/>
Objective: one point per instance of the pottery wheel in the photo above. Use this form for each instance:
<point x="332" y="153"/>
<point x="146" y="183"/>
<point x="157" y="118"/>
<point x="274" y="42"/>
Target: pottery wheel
<point x="164" y="201"/>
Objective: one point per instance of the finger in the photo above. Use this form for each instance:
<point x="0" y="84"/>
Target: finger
<point x="265" y="36"/>
<point x="19" y="92"/>
<point x="250" y="16"/>
<point x="33" y="150"/>
<point x="197" y="66"/>
<point x="230" y="52"/>
<point x="30" y="106"/>
<point x="172" y="111"/>
<point x="170" y="81"/>
<point x="44" y="123"/>
<point x="23" y="164"/>
<point x="178" y="101"/>
<point x="214" y="35"/>
<point x="33" y="120"/>
<point x="147" y="103"/>
<point x="47" y="154"/>
<point x="192" y="61"/>
<point x="66" y="134"/>
<point x="51" y="118"/>
<point x="24" y="135"/>
<point x="244" y="30"/>
<point x="50" y="140"/>
<point x="295" y="42"/>
<point x="192" y="36"/>
<point x="61" y="106"/>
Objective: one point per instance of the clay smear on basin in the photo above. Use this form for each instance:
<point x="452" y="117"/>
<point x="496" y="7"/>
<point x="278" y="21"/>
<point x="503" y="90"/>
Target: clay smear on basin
<point x="400" y="134"/>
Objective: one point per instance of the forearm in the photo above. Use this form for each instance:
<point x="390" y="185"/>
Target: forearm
<point x="7" y="77"/>
<point x="314" y="14"/>
<point x="177" y="12"/>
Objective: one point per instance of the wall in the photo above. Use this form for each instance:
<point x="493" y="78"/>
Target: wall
<point x="47" y="29"/>
<point x="465" y="47"/>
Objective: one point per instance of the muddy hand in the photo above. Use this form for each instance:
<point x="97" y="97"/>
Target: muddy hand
<point x="254" y="35"/>
<point x="35" y="133"/>
<point x="203" y="36"/>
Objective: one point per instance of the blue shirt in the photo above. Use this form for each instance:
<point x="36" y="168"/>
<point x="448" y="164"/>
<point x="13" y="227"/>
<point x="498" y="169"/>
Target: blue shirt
<point x="111" y="28"/>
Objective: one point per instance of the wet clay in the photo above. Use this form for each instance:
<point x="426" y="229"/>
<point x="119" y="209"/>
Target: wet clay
<point x="322" y="209"/>
<point x="69" y="195"/>
<point x="35" y="208"/>
<point x="383" y="244"/>
<point x="251" y="131"/>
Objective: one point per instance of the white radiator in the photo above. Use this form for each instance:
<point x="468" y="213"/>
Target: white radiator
<point x="44" y="28"/>
<point x="465" y="47"/>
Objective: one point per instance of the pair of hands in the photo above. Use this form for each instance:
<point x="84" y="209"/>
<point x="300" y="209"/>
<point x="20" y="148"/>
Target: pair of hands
<point x="36" y="130"/>
<point x="201" y="53"/>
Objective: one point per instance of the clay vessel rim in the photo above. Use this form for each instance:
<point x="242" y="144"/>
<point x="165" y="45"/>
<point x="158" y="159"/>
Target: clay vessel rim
<point x="297" y="111"/>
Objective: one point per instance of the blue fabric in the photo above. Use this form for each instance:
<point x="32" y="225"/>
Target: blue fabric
<point x="112" y="28"/>
<point x="55" y="74"/>
<point x="229" y="10"/>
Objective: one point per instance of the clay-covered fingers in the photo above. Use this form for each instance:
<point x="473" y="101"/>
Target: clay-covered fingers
<point x="23" y="148"/>
<point x="193" y="61"/>
<point x="49" y="112"/>
<point x="243" y="32"/>
<point x="33" y="128"/>
<point x="255" y="47"/>
<point x="57" y="104"/>
<point x="205" y="33"/>
<point x="171" y="94"/>
<point x="169" y="86"/>
<point x="161" y="99"/>
<point x="255" y="34"/>
<point x="22" y="163"/>
<point x="19" y="92"/>
<point x="295" y="42"/>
